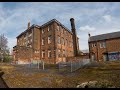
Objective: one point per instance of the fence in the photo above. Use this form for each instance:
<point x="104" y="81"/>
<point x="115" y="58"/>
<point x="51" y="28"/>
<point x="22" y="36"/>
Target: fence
<point x="73" y="64"/>
<point x="36" y="64"/>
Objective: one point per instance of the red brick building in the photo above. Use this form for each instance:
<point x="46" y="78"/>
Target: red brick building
<point x="51" y="42"/>
<point x="104" y="47"/>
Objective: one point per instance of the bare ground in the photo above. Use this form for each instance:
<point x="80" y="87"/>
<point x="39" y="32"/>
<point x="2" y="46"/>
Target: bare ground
<point x="19" y="76"/>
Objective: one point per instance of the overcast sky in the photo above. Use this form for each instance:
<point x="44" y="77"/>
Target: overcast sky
<point x="94" y="17"/>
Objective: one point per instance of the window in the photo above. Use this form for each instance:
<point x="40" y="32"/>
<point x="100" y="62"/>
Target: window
<point x="62" y="41"/>
<point x="43" y="54"/>
<point x="58" y="39"/>
<point x="28" y="41"/>
<point x="49" y="54"/>
<point x="30" y="35"/>
<point x="66" y="42"/>
<point x="93" y="45"/>
<point x="102" y="44"/>
<point x="30" y="45"/>
<point x="61" y="29"/>
<point x="31" y="40"/>
<point x="49" y="39"/>
<point x="70" y="43"/>
<point x="58" y="28"/>
<point x="36" y="51"/>
<point x="59" y="53"/>
<point x="48" y="28"/>
<point x="43" y="30"/>
<point x="43" y="41"/>
<point x="63" y="53"/>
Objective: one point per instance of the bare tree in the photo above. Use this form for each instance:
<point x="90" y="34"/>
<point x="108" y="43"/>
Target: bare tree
<point x="4" y="50"/>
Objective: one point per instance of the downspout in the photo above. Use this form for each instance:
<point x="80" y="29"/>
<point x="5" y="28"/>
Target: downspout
<point x="40" y="43"/>
<point x="53" y="28"/>
<point x="106" y="51"/>
<point x="97" y="50"/>
<point x="89" y="50"/>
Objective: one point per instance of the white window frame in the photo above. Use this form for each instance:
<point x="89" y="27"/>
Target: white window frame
<point x="43" y="52"/>
<point x="43" y="41"/>
<point x="64" y="53"/>
<point x="43" y="31"/>
<point x="101" y="44"/>
<point x="49" y="39"/>
<point x="63" y="42"/>
<point x="48" y="28"/>
<point x="59" y="53"/>
<point x="104" y="44"/>
<point x="58" y="27"/>
<point x="59" y="40"/>
<point x="49" y="52"/>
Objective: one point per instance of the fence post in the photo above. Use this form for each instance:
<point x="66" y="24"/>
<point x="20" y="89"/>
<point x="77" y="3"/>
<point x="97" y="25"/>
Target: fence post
<point x="71" y="65"/>
<point x="43" y="65"/>
<point x="59" y="66"/>
<point x="38" y="65"/>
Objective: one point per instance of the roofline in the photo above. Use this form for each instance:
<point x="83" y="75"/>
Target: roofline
<point x="54" y="20"/>
<point x="103" y="34"/>
<point x="103" y="39"/>
<point x="37" y="26"/>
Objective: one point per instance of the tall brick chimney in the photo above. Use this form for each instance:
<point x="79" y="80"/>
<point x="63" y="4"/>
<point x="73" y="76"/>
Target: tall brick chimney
<point x="89" y="34"/>
<point x="29" y="24"/>
<point x="74" y="36"/>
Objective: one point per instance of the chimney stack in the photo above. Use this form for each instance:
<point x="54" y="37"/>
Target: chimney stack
<point x="89" y="35"/>
<point x="74" y="36"/>
<point x="29" y="24"/>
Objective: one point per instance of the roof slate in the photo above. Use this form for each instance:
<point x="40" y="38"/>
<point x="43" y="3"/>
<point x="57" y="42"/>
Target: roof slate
<point x="105" y="36"/>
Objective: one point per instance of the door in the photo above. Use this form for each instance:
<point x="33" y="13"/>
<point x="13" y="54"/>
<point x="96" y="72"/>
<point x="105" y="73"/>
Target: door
<point x="93" y="57"/>
<point x="105" y="57"/>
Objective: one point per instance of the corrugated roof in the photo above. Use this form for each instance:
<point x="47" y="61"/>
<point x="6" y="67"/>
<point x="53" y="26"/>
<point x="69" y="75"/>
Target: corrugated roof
<point x="105" y="36"/>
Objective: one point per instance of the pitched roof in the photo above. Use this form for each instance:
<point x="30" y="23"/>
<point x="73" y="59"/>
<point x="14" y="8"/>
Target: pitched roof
<point x="105" y="36"/>
<point x="28" y="29"/>
<point x="53" y="20"/>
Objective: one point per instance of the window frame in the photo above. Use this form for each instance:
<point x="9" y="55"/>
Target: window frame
<point x="49" y="54"/>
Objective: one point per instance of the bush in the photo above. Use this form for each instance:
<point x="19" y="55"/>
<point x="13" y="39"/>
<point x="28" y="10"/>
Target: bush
<point x="7" y="58"/>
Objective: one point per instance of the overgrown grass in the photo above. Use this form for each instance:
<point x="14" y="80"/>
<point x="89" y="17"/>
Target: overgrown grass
<point x="107" y="71"/>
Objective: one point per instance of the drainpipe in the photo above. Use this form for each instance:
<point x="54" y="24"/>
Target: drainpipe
<point x="97" y="50"/>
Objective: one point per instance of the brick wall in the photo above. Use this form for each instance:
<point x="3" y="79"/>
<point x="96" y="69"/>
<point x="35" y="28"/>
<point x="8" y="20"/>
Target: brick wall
<point x="112" y="45"/>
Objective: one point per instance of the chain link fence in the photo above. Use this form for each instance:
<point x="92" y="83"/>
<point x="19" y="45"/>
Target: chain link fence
<point x="73" y="65"/>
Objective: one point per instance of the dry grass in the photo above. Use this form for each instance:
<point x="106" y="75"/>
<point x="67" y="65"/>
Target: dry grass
<point x="17" y="77"/>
